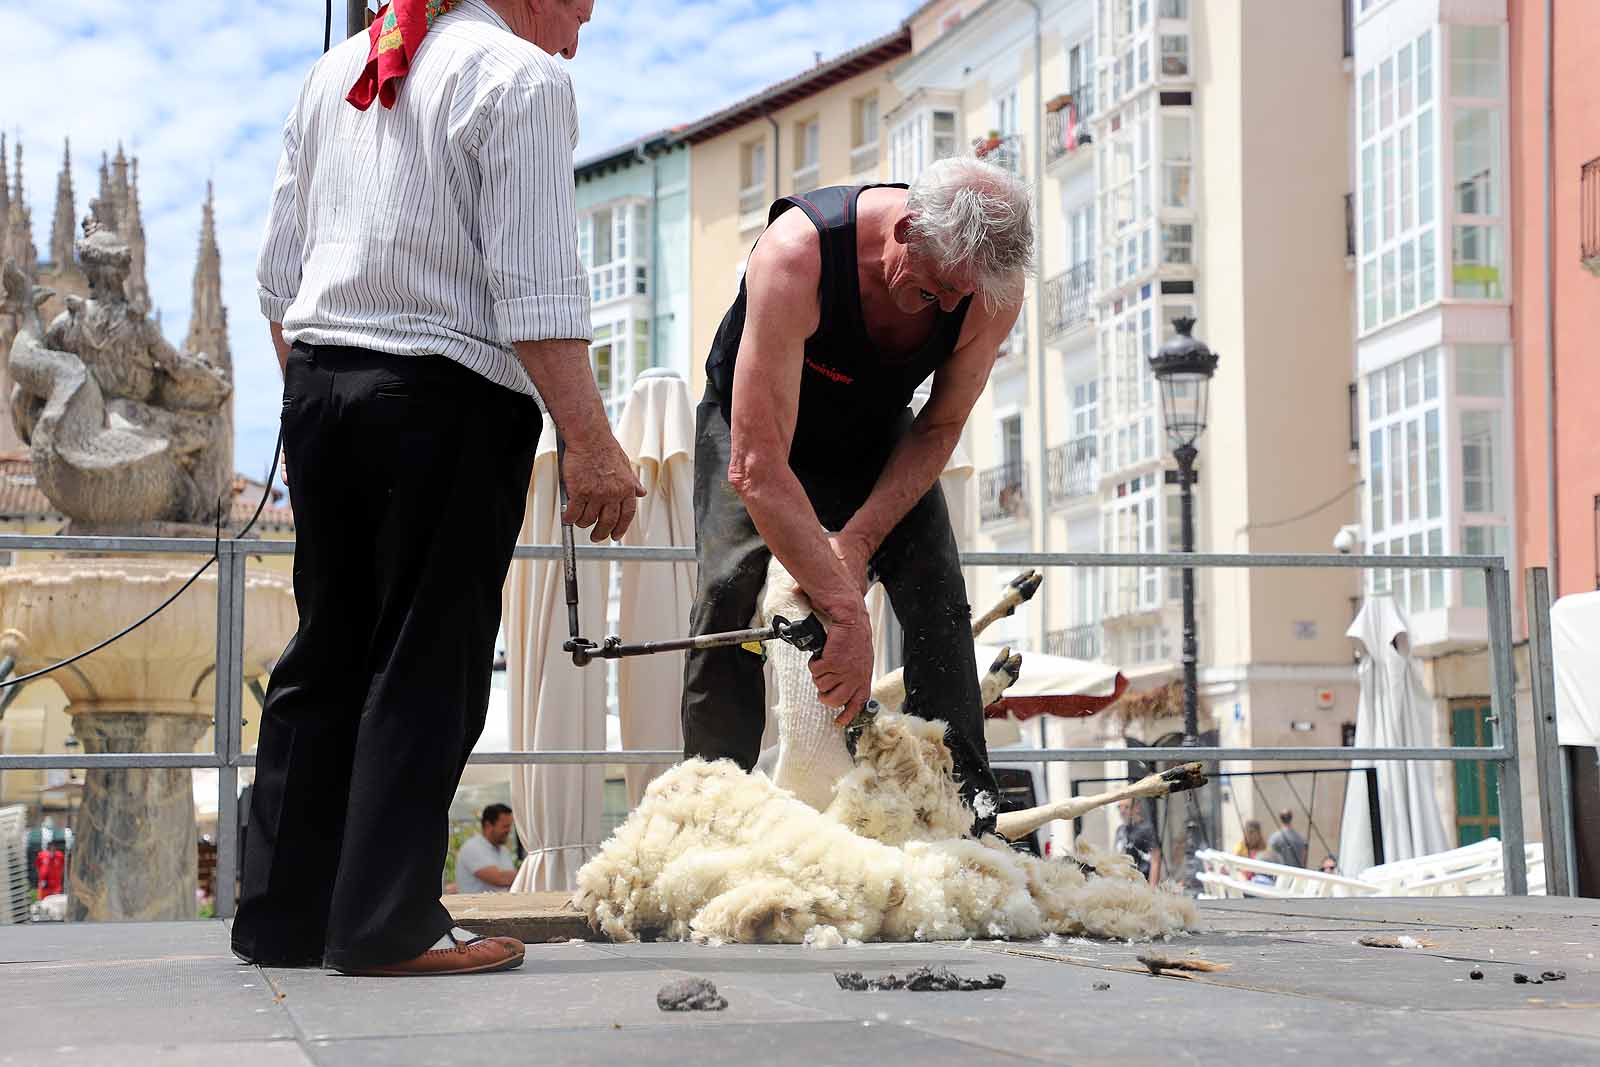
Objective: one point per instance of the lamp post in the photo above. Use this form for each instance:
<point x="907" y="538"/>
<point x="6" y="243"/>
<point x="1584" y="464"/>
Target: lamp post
<point x="1184" y="367"/>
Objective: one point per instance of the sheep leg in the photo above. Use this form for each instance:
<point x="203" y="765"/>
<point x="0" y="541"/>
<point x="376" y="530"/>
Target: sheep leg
<point x="1014" y="824"/>
<point x="1019" y="591"/>
<point x="890" y="690"/>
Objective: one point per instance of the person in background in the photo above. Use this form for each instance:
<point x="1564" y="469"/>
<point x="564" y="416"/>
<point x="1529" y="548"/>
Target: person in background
<point x="1330" y="864"/>
<point x="484" y="864"/>
<point x="1137" y="840"/>
<point x="1287" y="841"/>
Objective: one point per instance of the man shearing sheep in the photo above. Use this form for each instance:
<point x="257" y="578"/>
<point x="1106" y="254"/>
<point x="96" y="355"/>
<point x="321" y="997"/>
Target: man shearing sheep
<point x="807" y="447"/>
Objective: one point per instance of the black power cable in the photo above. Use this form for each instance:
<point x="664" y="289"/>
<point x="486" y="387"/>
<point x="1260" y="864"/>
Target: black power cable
<point x="216" y="551"/>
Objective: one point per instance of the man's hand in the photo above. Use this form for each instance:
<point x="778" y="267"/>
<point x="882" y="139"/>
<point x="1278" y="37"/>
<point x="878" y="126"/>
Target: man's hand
<point x="601" y="488"/>
<point x="855" y="553"/>
<point x="843" y="672"/>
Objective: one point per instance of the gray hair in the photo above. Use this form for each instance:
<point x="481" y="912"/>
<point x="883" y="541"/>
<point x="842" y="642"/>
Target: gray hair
<point x="974" y="217"/>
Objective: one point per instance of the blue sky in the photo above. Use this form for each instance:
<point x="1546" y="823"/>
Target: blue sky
<point x="198" y="90"/>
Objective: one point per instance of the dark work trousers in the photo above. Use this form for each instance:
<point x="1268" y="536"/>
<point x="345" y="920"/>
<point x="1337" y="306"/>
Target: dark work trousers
<point x="724" y="692"/>
<point x="408" y="477"/>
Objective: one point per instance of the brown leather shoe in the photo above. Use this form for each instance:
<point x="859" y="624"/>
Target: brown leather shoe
<point x="480" y="955"/>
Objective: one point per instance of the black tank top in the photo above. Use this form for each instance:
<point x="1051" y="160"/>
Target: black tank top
<point x="853" y="398"/>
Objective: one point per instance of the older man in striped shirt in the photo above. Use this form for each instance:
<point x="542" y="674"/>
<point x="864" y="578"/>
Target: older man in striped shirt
<point x="421" y="276"/>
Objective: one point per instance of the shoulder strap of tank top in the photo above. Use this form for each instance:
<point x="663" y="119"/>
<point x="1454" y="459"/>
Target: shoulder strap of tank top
<point x="829" y="211"/>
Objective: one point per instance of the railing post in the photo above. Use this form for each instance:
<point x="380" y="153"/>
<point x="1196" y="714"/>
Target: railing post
<point x="1555" y="789"/>
<point x="229" y="712"/>
<point x="1503" y="683"/>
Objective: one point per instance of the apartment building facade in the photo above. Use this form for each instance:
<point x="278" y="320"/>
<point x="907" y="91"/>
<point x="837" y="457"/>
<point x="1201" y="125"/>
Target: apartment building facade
<point x="633" y="223"/>
<point x="1566" y="299"/>
<point x="1192" y="165"/>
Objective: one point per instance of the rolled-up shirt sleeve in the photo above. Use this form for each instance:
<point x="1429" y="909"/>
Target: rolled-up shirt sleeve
<point x="526" y="214"/>
<point x="278" y="266"/>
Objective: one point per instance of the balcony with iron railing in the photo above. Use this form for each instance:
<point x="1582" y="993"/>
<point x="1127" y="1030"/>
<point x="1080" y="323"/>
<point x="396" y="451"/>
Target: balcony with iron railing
<point x="1074" y="642"/>
<point x="1589" y="216"/>
<point x="1003" y="493"/>
<point x="1069" y="300"/>
<point x="1074" y="470"/>
<point x="1065" y="128"/>
<point x="806" y="177"/>
<point x="1003" y="151"/>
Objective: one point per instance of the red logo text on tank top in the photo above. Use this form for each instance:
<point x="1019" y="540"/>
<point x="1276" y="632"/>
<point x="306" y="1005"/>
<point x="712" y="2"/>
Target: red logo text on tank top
<point x="829" y="373"/>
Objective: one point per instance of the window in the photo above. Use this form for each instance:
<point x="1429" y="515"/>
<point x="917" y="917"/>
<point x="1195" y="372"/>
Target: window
<point x="1174" y="9"/>
<point x="1177" y="244"/>
<point x="617" y="266"/>
<point x="921" y="139"/>
<point x="1479" y="371"/>
<point x="753" y="165"/>
<point x="1085" y="408"/>
<point x="1080" y="78"/>
<point x="1404" y="504"/>
<point x="1127" y="416"/>
<point x="864" y="122"/>
<point x="1480" y="458"/>
<point x="1174" y="55"/>
<point x="1138" y="519"/>
<point x="1011" y="442"/>
<point x="807" y="144"/>
<point x="752" y="183"/>
<point x="1398" y="243"/>
<point x="1477" y="251"/>
<point x="944" y="135"/>
<point x="1475" y="67"/>
<point x="641" y="347"/>
<point x="1176" y="161"/>
<point x="1126" y="200"/>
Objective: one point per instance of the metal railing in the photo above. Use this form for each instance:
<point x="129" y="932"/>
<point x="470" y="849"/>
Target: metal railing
<point x="1003" y="493"/>
<point x="1349" y="224"/>
<point x="1589" y="215"/>
<point x="1074" y="642"/>
<point x="1074" y="469"/>
<point x="1003" y="152"/>
<point x="227" y="758"/>
<point x="1065" y="130"/>
<point x="1069" y="299"/>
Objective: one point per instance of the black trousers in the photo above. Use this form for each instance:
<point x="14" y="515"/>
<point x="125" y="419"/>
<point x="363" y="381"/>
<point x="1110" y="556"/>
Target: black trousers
<point x="409" y="477"/>
<point x="724" y="692"/>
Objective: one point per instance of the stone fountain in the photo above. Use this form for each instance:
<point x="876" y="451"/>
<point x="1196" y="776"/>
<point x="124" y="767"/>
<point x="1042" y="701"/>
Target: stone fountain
<point x="128" y="437"/>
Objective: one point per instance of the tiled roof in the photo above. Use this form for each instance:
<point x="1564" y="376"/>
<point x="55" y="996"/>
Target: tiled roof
<point x="807" y="83"/>
<point x="21" y="497"/>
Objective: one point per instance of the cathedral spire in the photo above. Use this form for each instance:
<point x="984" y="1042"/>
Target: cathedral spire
<point x="119" y="190"/>
<point x="138" y="286"/>
<point x="5" y="200"/>
<point x="22" y="249"/>
<point x="208" y="317"/>
<point x="61" y="230"/>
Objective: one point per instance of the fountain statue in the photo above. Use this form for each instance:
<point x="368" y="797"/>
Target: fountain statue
<point x="131" y="437"/>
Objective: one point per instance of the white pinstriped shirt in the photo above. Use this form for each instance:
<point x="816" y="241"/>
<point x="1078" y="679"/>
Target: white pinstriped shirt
<point x="444" y="226"/>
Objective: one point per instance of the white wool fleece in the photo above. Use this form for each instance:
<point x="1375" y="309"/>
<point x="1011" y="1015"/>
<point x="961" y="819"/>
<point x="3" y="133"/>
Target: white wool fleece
<point x="715" y="854"/>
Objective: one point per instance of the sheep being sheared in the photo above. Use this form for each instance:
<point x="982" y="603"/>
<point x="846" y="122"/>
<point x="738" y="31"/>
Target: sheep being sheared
<point x="717" y="854"/>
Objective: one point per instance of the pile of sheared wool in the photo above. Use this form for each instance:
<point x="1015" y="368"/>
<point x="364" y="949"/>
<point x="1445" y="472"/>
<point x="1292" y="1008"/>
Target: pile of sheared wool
<point x="715" y="854"/>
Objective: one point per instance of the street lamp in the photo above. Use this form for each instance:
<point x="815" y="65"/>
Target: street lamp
<point x="1184" y="367"/>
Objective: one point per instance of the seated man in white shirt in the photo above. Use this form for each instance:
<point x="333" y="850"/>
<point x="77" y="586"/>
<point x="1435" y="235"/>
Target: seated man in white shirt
<point x="484" y="864"/>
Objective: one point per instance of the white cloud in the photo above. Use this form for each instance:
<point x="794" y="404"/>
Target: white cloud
<point x="198" y="90"/>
